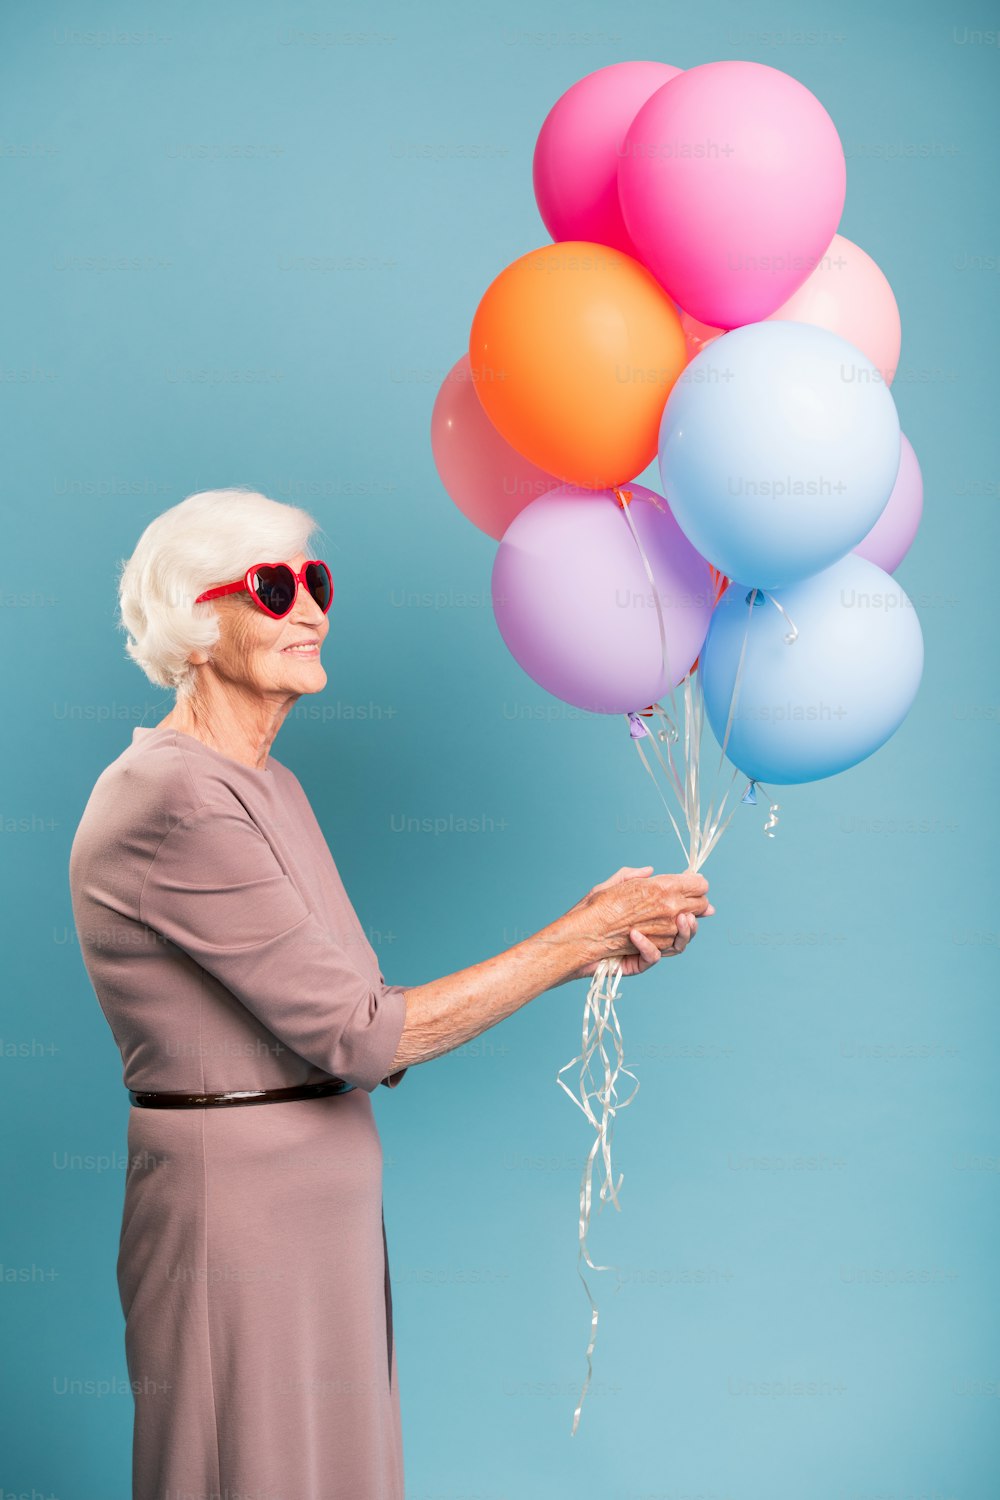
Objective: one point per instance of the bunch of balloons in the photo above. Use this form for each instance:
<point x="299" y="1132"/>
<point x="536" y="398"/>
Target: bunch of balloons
<point x="697" y="307"/>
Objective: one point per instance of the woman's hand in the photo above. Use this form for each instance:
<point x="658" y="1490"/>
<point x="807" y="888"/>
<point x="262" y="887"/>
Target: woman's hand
<point x="674" y="903"/>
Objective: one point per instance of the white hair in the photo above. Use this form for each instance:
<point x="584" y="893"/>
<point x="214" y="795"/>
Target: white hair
<point x="210" y="538"/>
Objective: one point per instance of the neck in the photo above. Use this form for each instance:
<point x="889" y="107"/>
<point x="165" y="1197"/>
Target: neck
<point x="235" y="722"/>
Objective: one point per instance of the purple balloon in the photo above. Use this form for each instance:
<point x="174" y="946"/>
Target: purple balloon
<point x="891" y="538"/>
<point x="575" y="606"/>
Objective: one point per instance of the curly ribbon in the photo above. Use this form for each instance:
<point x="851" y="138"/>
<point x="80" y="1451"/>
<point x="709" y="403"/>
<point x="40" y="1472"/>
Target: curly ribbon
<point x="793" y="633"/>
<point x="600" y="1009"/>
<point x="703" y="833"/>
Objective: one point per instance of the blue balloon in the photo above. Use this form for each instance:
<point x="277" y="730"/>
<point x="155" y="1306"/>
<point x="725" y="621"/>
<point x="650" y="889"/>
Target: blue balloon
<point x="779" y="447"/>
<point x="829" y="699"/>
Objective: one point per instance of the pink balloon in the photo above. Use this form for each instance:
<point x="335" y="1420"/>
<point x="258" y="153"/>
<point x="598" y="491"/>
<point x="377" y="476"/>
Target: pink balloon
<point x="731" y="182"/>
<point x="576" y="609"/>
<point x="488" y="480"/>
<point x="891" y="538"/>
<point x="849" y="294"/>
<point x="575" y="166"/>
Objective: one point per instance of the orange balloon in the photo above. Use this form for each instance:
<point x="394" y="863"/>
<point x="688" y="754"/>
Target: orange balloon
<point x="574" y="350"/>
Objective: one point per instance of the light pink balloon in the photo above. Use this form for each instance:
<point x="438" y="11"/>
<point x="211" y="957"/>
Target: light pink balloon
<point x="849" y="294"/>
<point x="731" y="182"/>
<point x="891" y="538"/>
<point x="575" y="166"/>
<point x="488" y="480"/>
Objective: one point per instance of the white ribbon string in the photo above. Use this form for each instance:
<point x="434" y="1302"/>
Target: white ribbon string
<point x="599" y="1009"/>
<point x="793" y="633"/>
<point x="703" y="833"/>
<point x="624" y="498"/>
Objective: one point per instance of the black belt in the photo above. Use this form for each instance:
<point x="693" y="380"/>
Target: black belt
<point x="146" y="1100"/>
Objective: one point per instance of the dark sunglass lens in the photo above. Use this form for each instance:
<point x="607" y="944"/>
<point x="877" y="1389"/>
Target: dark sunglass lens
<point x="275" y="588"/>
<point x="318" y="583"/>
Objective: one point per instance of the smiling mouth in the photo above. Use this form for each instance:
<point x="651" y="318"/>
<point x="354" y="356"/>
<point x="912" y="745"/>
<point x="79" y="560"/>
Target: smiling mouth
<point x="310" y="649"/>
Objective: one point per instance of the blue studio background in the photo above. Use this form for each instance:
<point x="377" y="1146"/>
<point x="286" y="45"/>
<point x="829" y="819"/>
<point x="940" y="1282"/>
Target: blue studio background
<point x="243" y="244"/>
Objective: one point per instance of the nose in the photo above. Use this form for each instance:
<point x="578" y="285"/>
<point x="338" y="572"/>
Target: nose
<point x="305" y="608"/>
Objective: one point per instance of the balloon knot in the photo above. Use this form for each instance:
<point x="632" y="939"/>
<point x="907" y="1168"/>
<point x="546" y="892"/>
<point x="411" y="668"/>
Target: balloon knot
<point x="754" y="596"/>
<point x="624" y="497"/>
<point x="637" y="729"/>
<point x="750" y="795"/>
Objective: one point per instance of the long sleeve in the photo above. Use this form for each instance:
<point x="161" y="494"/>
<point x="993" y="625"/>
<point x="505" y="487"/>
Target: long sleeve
<point x="215" y="889"/>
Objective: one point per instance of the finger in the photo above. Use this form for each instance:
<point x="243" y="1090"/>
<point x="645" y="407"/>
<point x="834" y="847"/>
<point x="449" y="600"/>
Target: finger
<point x="683" y="933"/>
<point x="647" y="949"/>
<point x="689" y="883"/>
<point x="695" y="907"/>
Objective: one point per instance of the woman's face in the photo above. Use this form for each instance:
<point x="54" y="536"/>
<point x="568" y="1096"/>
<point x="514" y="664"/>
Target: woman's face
<point x="272" y="657"/>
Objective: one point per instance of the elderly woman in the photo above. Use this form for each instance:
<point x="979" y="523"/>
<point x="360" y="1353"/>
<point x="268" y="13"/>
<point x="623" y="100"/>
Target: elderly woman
<point x="234" y="973"/>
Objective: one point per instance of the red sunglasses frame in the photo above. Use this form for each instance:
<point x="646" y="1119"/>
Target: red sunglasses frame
<point x="243" y="585"/>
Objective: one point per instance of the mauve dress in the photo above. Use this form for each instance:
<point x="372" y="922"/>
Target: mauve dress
<point x="253" y="1267"/>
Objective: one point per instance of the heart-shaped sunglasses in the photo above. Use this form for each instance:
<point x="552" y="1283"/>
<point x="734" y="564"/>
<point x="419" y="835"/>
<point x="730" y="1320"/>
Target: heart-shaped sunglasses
<point x="273" y="586"/>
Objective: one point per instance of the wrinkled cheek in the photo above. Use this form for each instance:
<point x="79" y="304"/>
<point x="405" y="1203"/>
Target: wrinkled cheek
<point x="248" y="657"/>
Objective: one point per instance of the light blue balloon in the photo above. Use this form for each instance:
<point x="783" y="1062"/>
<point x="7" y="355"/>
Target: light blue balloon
<point x="831" y="698"/>
<point x="779" y="447"/>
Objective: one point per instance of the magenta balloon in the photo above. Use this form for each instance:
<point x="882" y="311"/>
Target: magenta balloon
<point x="488" y="480"/>
<point x="891" y="538"/>
<point x="731" y="182"/>
<point x="575" y="166"/>
<point x="575" y="607"/>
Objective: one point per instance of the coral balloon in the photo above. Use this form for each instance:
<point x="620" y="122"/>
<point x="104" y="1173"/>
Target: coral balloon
<point x="822" y="704"/>
<point x="719" y="585"/>
<point x="779" y="448"/>
<point x="575" y="607"/>
<point x="731" y="182"/>
<point x="891" y="538"/>
<point x="575" y="167"/>
<point x="574" y="350"/>
<point x="488" y="480"/>
<point x="850" y="295"/>
<point x="697" y="335"/>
